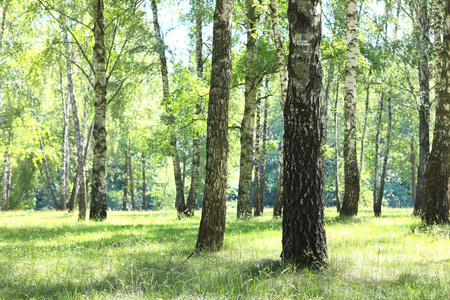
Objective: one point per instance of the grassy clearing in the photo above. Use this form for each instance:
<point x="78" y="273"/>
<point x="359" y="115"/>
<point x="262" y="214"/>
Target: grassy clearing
<point x="136" y="255"/>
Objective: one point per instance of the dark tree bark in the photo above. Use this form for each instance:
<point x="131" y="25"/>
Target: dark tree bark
<point x="212" y="224"/>
<point x="244" y="208"/>
<point x="424" y="108"/>
<point x="336" y="152"/>
<point x="98" y="193"/>
<point x="304" y="240"/>
<point x="435" y="207"/>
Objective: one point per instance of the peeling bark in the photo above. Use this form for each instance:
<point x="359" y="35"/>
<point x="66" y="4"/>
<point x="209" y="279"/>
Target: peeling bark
<point x="212" y="224"/>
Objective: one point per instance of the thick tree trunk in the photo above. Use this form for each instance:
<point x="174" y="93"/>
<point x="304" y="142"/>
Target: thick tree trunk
<point x="304" y="240"/>
<point x="144" y="204"/>
<point x="424" y="109"/>
<point x="437" y="47"/>
<point x="283" y="84"/>
<point x="130" y="172"/>
<point x="380" y="193"/>
<point x="262" y="185"/>
<point x="278" y="205"/>
<point x="244" y="208"/>
<point x="212" y="224"/>
<point x="98" y="193"/>
<point x="377" y="155"/>
<point x="435" y="208"/>
<point x="125" y="181"/>
<point x="44" y="158"/>
<point x="366" y="114"/>
<point x="257" y="164"/>
<point x="170" y="119"/>
<point x="336" y="152"/>
<point x="352" y="189"/>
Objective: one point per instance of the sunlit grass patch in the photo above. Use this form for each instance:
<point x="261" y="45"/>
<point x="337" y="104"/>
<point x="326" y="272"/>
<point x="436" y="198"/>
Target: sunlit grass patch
<point x="149" y="255"/>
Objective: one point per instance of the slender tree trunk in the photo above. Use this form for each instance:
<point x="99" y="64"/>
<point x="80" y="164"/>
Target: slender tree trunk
<point x="65" y="149"/>
<point x="413" y="171"/>
<point x="130" y="172"/>
<point x="377" y="155"/>
<point x="125" y="181"/>
<point x="380" y="193"/>
<point x="326" y="104"/>
<point x="5" y="182"/>
<point x="257" y="164"/>
<point x="278" y="205"/>
<point x="98" y="193"/>
<point x="435" y="208"/>
<point x="424" y="109"/>
<point x="8" y="186"/>
<point x="212" y="224"/>
<point x="283" y="84"/>
<point x="437" y="47"/>
<point x="336" y="152"/>
<point x="366" y="114"/>
<point x="262" y="185"/>
<point x="304" y="239"/>
<point x="144" y="207"/>
<point x="244" y="208"/>
<point x="352" y="189"/>
<point x="44" y="159"/>
<point x="195" y="174"/>
<point x="170" y="119"/>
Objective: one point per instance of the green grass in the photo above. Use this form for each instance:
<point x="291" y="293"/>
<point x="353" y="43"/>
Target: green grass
<point x="136" y="255"/>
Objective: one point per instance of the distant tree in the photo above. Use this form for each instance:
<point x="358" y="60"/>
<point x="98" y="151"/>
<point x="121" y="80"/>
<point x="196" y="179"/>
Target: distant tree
<point x="304" y="240"/>
<point x="212" y="224"/>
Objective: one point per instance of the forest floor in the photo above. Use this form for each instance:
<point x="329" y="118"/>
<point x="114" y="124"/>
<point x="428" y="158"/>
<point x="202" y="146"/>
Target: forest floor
<point x="147" y="255"/>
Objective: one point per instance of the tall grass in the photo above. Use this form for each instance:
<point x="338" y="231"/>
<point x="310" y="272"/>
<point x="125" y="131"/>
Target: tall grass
<point x="149" y="255"/>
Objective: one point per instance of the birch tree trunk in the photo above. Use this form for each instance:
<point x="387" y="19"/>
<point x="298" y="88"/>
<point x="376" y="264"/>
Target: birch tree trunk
<point x="380" y="193"/>
<point x="5" y="201"/>
<point x="262" y="185"/>
<point x="352" y="189"/>
<point x="125" y="181"/>
<point x="283" y="84"/>
<point x="435" y="208"/>
<point x="437" y="47"/>
<point x="244" y="208"/>
<point x="65" y="149"/>
<point x="424" y="109"/>
<point x="212" y="224"/>
<point x="413" y="171"/>
<point x="257" y="164"/>
<point x="326" y="104"/>
<point x="130" y="172"/>
<point x="303" y="238"/>
<point x="170" y="120"/>
<point x="366" y="114"/>
<point x="144" y="204"/>
<point x="336" y="152"/>
<point x="377" y="153"/>
<point x="98" y="193"/>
